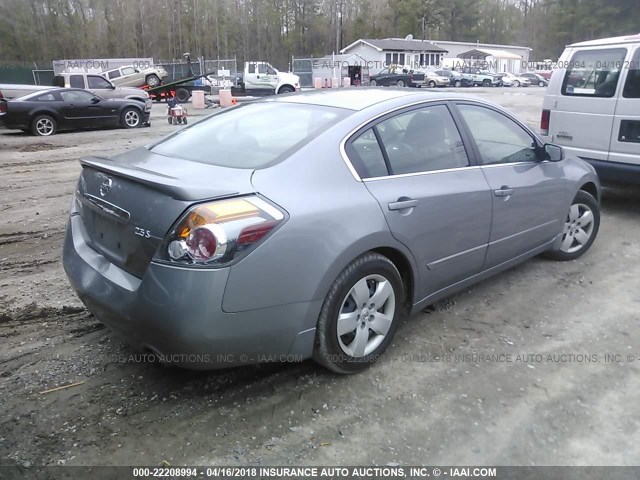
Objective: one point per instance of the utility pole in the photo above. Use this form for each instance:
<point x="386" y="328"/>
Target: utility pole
<point x="338" y="25"/>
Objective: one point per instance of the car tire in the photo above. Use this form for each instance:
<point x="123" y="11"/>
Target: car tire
<point x="373" y="83"/>
<point x="580" y="228"/>
<point x="170" y="120"/>
<point x="400" y="83"/>
<point x="516" y="83"/>
<point x="131" y="118"/>
<point x="457" y="83"/>
<point x="184" y="121"/>
<point x="486" y="83"/>
<point x="286" y="89"/>
<point x="432" y="84"/>
<point x="354" y="350"/>
<point x="182" y="95"/>
<point x="44" y="126"/>
<point x="152" y="80"/>
<point x="541" y="84"/>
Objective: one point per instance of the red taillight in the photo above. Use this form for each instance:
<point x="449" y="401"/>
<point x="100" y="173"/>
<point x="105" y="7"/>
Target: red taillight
<point x="201" y="244"/>
<point x="254" y="233"/>
<point x="544" y="122"/>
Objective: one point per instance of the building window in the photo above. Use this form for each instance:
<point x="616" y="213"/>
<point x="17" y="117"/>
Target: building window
<point x="394" y="58"/>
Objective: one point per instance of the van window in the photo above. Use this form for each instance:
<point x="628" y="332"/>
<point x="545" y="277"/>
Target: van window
<point x="632" y="85"/>
<point x="594" y="73"/>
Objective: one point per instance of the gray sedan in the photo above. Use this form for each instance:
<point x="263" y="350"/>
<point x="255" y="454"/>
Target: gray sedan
<point x="309" y="225"/>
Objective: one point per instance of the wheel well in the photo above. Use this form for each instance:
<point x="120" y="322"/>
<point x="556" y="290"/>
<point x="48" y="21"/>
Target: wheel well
<point x="43" y="112"/>
<point x="591" y="189"/>
<point x="286" y="85"/>
<point x="404" y="267"/>
<point x="137" y="99"/>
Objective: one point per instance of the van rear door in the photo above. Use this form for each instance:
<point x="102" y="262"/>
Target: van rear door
<point x="625" y="136"/>
<point x="584" y="99"/>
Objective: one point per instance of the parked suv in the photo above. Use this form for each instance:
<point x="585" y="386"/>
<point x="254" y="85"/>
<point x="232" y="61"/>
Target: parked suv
<point x="592" y="106"/>
<point x="134" y="77"/>
<point x="99" y="85"/>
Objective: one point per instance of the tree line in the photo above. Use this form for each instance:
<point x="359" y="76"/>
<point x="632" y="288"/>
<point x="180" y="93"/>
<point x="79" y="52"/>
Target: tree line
<point x="274" y="30"/>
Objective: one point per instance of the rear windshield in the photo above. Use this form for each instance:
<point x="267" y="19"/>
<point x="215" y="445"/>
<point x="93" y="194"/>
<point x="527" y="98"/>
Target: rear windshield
<point x="252" y="135"/>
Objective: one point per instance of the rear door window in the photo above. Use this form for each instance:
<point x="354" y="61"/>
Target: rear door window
<point x="128" y="71"/>
<point x="76" y="81"/>
<point x="114" y="74"/>
<point x="632" y="84"/>
<point x="594" y="73"/>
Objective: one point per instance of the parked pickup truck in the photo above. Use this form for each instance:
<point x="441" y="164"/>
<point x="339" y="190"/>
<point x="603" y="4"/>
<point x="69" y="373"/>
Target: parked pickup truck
<point x="95" y="83"/>
<point x="261" y="78"/>
<point x="400" y="77"/>
<point x="479" y="77"/>
<point x="99" y="85"/>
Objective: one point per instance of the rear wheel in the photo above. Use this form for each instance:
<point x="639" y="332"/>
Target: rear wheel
<point x="457" y="83"/>
<point x="182" y="95"/>
<point x="44" y="126"/>
<point x="486" y="83"/>
<point x="184" y="121"/>
<point x="432" y="84"/>
<point x="373" y="83"/>
<point x="360" y="314"/>
<point x="516" y="83"/>
<point x="131" y="118"/>
<point x="170" y="120"/>
<point x="400" y="83"/>
<point x="580" y="228"/>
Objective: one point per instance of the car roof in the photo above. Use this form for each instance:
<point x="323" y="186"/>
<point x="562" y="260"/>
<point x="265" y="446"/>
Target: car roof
<point x="359" y="98"/>
<point x="608" y="41"/>
<point x="37" y="93"/>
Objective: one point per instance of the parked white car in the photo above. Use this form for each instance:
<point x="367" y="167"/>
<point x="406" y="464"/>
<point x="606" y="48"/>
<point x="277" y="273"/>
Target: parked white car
<point x="592" y="106"/>
<point x="512" y="80"/>
<point x="135" y="77"/>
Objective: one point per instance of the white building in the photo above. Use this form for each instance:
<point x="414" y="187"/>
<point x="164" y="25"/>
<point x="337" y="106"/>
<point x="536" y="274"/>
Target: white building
<point x="436" y="53"/>
<point x="396" y="51"/>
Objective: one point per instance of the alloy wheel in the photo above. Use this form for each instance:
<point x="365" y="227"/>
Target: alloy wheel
<point x="366" y="315"/>
<point x="45" y="127"/>
<point x="131" y="118"/>
<point x="578" y="228"/>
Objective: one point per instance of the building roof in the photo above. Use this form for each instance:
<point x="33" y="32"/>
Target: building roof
<point x="480" y="45"/>
<point x="397" y="44"/>
<point x="489" y="52"/>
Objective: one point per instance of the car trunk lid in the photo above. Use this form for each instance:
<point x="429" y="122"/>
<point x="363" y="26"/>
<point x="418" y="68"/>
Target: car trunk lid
<point x="129" y="202"/>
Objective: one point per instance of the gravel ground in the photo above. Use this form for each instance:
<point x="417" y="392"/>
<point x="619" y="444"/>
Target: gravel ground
<point x="537" y="366"/>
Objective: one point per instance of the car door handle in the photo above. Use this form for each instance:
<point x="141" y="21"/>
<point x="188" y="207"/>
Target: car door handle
<point x="403" y="204"/>
<point x="503" y="191"/>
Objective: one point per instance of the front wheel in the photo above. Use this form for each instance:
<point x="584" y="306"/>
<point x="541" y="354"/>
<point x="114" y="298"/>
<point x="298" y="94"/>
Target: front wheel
<point x="131" y="118"/>
<point x="432" y="84"/>
<point x="580" y="228"/>
<point x="360" y="314"/>
<point x="457" y="83"/>
<point x="541" y="83"/>
<point x="286" y="89"/>
<point x="153" y="80"/>
<point x="486" y="83"/>
<point x="400" y="83"/>
<point x="373" y="83"/>
<point x="516" y="83"/>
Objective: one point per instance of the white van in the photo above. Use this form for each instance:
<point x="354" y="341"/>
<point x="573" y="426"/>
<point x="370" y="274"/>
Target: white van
<point x="592" y="106"/>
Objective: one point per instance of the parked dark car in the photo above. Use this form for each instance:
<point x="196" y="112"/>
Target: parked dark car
<point x="401" y="78"/>
<point x="535" y="79"/>
<point x="455" y="78"/>
<point x="43" y="113"/>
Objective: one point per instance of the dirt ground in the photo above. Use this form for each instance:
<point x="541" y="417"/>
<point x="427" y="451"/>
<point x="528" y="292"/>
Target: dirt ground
<point x="537" y="366"/>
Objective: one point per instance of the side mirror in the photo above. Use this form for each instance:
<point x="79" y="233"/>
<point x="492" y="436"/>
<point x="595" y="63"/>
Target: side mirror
<point x="553" y="153"/>
<point x="112" y="86"/>
<point x="95" y="100"/>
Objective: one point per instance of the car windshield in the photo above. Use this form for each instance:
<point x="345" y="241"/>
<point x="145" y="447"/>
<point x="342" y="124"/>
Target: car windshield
<point x="253" y="135"/>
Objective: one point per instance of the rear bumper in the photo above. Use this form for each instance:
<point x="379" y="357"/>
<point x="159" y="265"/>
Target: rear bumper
<point x="177" y="312"/>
